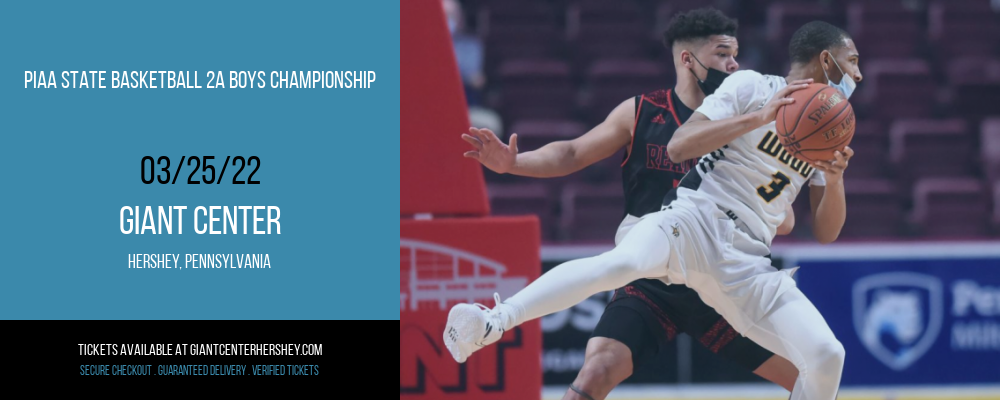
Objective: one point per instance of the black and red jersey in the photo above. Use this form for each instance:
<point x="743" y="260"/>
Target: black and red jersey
<point x="647" y="173"/>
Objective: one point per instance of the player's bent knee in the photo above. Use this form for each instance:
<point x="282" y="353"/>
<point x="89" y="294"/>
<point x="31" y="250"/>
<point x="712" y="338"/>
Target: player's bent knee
<point x="599" y="376"/>
<point x="594" y="375"/>
<point x="838" y="353"/>
<point x="607" y="364"/>
<point x="830" y="357"/>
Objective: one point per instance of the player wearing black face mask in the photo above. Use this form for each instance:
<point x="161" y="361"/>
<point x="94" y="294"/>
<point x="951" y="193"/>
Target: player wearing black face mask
<point x="646" y="314"/>
<point x="712" y="80"/>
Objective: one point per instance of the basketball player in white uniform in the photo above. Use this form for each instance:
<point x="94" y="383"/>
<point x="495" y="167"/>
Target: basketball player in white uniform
<point x="716" y="227"/>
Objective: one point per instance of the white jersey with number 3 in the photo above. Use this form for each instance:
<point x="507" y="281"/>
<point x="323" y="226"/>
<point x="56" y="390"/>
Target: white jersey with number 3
<point x="753" y="176"/>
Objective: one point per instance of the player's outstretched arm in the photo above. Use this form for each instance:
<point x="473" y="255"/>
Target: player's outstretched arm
<point x="828" y="205"/>
<point x="557" y="158"/>
<point x="701" y="135"/>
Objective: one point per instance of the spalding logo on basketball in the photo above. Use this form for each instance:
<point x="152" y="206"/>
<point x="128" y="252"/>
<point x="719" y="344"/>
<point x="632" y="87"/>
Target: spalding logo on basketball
<point x="819" y="123"/>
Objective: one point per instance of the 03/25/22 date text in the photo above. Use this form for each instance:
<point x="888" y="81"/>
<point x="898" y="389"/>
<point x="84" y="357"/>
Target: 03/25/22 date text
<point x="159" y="170"/>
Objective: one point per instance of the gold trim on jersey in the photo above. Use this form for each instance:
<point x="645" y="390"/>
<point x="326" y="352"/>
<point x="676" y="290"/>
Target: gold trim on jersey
<point x="772" y="146"/>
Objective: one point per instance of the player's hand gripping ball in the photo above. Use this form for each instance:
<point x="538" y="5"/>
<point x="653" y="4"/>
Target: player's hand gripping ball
<point x="819" y="123"/>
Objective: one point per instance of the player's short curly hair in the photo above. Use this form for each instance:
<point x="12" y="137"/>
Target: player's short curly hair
<point x="814" y="37"/>
<point x="698" y="24"/>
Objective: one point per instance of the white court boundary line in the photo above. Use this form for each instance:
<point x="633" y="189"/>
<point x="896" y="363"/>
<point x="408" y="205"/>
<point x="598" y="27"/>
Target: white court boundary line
<point x="767" y="390"/>
<point x="834" y="251"/>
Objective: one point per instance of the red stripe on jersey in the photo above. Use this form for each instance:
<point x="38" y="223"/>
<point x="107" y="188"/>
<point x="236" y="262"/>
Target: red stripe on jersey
<point x="670" y="101"/>
<point x="635" y="123"/>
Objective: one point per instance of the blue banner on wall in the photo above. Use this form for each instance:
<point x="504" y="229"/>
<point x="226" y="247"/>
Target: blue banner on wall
<point x="922" y="321"/>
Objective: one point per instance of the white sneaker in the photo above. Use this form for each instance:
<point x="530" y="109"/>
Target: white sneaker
<point x="472" y="327"/>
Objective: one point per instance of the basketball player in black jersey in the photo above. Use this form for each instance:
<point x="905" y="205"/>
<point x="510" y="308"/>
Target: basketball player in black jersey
<point x="647" y="314"/>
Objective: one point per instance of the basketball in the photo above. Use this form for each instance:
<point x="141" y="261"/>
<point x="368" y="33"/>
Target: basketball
<point x="819" y="123"/>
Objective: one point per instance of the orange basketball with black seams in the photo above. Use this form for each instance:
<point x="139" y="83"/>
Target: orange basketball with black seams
<point x="819" y="123"/>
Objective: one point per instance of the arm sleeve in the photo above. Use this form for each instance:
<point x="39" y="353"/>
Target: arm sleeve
<point x="817" y="178"/>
